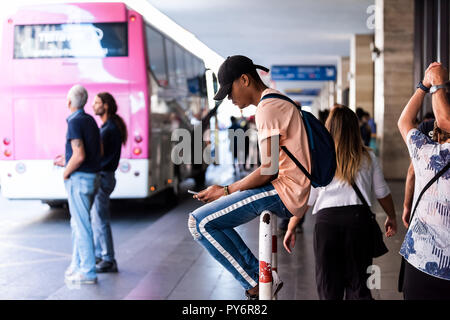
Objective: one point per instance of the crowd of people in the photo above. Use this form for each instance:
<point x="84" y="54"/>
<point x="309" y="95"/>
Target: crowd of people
<point x="245" y="157"/>
<point x="345" y="240"/>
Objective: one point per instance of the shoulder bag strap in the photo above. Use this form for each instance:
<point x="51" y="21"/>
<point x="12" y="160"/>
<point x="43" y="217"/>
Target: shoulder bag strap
<point x="360" y="195"/>
<point x="402" y="266"/>
<point x="437" y="176"/>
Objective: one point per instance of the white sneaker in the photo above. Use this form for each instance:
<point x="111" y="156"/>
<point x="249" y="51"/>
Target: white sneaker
<point x="277" y="283"/>
<point x="69" y="271"/>
<point x="79" y="278"/>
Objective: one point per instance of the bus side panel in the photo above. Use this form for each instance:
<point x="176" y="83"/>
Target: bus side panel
<point x="6" y="129"/>
<point x="74" y="13"/>
<point x="139" y="95"/>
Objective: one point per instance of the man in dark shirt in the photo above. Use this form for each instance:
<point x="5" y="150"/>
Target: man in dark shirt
<point x="113" y="134"/>
<point x="82" y="163"/>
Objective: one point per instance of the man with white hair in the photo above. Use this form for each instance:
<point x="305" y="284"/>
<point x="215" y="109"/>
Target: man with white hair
<point x="82" y="164"/>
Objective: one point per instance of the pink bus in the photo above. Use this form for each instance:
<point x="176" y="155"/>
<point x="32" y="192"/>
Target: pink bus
<point x="158" y="86"/>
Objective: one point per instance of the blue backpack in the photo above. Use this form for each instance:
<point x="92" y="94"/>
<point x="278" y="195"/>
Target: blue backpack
<point x="321" y="147"/>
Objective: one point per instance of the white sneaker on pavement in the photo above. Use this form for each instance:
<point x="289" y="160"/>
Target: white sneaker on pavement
<point x="69" y="271"/>
<point x="79" y="278"/>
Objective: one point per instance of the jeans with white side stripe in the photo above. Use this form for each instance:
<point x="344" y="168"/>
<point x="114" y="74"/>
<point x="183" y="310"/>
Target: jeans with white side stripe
<point x="213" y="226"/>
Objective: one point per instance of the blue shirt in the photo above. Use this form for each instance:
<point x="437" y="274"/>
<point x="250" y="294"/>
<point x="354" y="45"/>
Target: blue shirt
<point x="427" y="242"/>
<point x="82" y="126"/>
<point x="112" y="146"/>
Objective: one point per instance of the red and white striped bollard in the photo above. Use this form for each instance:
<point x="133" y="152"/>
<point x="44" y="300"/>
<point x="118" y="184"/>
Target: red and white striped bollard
<point x="267" y="253"/>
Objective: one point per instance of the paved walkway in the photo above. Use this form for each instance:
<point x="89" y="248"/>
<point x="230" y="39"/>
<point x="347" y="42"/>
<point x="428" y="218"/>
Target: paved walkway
<point x="158" y="259"/>
<point x="185" y="271"/>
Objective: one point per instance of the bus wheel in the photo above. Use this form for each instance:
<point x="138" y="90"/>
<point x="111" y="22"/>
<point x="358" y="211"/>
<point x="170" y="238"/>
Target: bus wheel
<point x="200" y="181"/>
<point x="56" y="204"/>
<point x="176" y="186"/>
<point x="171" y="197"/>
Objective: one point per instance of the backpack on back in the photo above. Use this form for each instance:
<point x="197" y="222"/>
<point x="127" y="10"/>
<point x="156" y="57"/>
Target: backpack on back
<point x="321" y="147"/>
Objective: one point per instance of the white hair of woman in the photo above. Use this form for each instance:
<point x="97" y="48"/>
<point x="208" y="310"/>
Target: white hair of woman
<point x="77" y="96"/>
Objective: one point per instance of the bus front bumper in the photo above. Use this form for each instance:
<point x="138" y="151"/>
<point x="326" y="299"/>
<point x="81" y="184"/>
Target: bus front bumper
<point x="41" y="180"/>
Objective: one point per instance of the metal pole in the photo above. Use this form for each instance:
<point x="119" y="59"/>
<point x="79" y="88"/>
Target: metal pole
<point x="273" y="222"/>
<point x="265" y="255"/>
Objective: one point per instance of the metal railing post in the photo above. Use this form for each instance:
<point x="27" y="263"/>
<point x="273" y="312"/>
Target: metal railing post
<point x="274" y="226"/>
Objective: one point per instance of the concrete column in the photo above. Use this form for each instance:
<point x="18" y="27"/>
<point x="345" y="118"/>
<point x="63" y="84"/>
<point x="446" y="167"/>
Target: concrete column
<point x="326" y="98"/>
<point x="394" y="28"/>
<point x="342" y="78"/>
<point x="331" y="93"/>
<point x="361" y="70"/>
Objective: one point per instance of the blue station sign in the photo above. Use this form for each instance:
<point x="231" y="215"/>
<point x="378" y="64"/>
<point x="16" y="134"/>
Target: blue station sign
<point x="306" y="102"/>
<point x="303" y="73"/>
<point x="303" y="92"/>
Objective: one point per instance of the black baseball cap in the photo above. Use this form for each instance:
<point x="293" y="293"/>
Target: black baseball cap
<point x="231" y="69"/>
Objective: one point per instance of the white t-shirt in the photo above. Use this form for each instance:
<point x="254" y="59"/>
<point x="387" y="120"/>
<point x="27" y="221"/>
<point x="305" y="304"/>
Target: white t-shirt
<point x="338" y="193"/>
<point x="427" y="242"/>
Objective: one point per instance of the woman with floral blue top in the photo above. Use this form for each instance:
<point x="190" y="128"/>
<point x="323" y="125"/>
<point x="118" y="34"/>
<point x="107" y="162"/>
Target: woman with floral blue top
<point x="426" y="247"/>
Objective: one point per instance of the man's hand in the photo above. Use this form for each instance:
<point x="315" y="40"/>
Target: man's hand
<point x="210" y="194"/>
<point x="290" y="237"/>
<point x="435" y="74"/>
<point x="289" y="240"/>
<point x="59" y="161"/>
<point x="406" y="216"/>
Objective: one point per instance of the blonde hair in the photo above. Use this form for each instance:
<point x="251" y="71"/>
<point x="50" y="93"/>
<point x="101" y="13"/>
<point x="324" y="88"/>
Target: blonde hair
<point x="342" y="123"/>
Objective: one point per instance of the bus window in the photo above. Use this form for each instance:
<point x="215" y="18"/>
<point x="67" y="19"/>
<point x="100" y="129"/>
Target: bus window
<point x="85" y="40"/>
<point x="180" y="67"/>
<point x="199" y="67"/>
<point x="170" y="51"/>
<point x="189" y="66"/>
<point x="156" y="55"/>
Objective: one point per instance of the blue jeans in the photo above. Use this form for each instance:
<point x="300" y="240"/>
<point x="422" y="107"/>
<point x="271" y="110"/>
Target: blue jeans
<point x="101" y="218"/>
<point x="81" y="188"/>
<point x="213" y="226"/>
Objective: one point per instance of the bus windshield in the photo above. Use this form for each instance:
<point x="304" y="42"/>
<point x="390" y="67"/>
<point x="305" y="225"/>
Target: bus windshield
<point x="85" y="40"/>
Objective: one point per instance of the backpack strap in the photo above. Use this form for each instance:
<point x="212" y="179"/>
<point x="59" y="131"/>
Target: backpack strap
<point x="280" y="96"/>
<point x="297" y="163"/>
<point x="293" y="158"/>
<point x="309" y="133"/>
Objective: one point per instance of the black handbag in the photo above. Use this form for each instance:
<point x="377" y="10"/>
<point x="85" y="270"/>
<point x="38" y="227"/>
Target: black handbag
<point x="401" y="274"/>
<point x="378" y="248"/>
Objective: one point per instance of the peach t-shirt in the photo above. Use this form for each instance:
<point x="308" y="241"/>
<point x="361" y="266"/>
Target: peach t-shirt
<point x="279" y="117"/>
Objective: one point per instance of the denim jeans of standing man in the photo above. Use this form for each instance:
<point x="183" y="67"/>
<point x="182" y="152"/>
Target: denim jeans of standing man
<point x="212" y="225"/>
<point x="81" y="188"/>
<point x="101" y="218"/>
